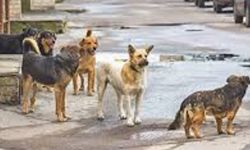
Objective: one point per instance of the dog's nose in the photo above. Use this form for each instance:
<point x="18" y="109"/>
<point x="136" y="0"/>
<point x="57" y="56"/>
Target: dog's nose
<point x="54" y="41"/>
<point x="94" y="48"/>
<point x="146" y="62"/>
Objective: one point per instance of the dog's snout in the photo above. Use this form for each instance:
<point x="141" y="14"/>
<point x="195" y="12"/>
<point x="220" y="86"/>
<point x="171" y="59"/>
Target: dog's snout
<point x="146" y="62"/>
<point x="94" y="48"/>
<point x="53" y="41"/>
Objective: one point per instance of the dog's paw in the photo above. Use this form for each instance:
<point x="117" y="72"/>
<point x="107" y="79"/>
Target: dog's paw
<point x="130" y="123"/>
<point x="100" y="117"/>
<point x="190" y="137"/>
<point x="90" y="94"/>
<point x="123" y="116"/>
<point x="32" y="110"/>
<point x="76" y="93"/>
<point x="137" y="120"/>
<point x="221" y="132"/>
<point x="231" y="132"/>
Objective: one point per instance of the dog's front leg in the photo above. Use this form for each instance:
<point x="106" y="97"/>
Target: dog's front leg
<point x="27" y="84"/>
<point x="138" y="100"/>
<point x="75" y="84"/>
<point x="93" y="81"/>
<point x="130" y="121"/>
<point x="122" y="114"/>
<point x="59" y="105"/>
<point x="90" y="83"/>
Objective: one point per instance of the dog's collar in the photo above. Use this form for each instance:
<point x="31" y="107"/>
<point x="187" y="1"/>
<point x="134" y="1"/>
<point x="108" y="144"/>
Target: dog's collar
<point x="133" y="67"/>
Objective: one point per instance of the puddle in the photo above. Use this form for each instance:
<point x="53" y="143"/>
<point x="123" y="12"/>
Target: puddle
<point x="148" y="135"/>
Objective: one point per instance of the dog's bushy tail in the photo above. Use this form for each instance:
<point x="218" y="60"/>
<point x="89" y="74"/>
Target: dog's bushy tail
<point x="30" y="44"/>
<point x="178" y="121"/>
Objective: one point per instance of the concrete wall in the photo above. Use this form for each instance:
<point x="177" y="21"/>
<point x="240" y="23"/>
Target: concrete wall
<point x="42" y="4"/>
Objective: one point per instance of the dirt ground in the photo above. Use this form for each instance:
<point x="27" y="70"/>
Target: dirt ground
<point x="174" y="27"/>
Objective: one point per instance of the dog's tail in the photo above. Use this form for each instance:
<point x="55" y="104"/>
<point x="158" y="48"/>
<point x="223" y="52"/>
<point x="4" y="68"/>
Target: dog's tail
<point x="178" y="121"/>
<point x="30" y="44"/>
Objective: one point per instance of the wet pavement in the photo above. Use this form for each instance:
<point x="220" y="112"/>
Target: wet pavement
<point x="174" y="28"/>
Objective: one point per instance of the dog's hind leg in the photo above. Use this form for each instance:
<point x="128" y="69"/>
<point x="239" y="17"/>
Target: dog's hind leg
<point x="33" y="98"/>
<point x="27" y="84"/>
<point x="93" y="81"/>
<point x="120" y="98"/>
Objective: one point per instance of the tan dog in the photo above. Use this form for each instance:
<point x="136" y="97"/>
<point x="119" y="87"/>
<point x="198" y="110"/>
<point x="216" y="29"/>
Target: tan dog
<point x="87" y="63"/>
<point x="128" y="80"/>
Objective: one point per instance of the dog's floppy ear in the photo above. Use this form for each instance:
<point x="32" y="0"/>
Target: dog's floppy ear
<point x="231" y="78"/>
<point x="149" y="49"/>
<point x="131" y="49"/>
<point x="89" y="32"/>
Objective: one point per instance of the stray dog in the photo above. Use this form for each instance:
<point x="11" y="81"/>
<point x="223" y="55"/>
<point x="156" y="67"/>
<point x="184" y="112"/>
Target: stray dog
<point x="12" y="44"/>
<point x="55" y="71"/>
<point x="87" y="63"/>
<point x="221" y="102"/>
<point x="128" y="80"/>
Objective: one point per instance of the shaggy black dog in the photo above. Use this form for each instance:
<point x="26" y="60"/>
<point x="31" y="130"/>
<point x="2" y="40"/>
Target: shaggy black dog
<point x="12" y="44"/>
<point x="55" y="71"/>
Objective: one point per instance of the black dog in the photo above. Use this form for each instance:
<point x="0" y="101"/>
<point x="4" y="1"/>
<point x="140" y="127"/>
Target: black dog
<point x="12" y="44"/>
<point x="55" y="71"/>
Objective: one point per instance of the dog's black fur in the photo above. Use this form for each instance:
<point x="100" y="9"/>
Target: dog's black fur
<point x="47" y="69"/>
<point x="12" y="44"/>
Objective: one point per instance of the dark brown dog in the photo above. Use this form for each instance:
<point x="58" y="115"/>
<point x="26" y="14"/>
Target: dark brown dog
<point x="55" y="71"/>
<point x="87" y="63"/>
<point x="222" y="102"/>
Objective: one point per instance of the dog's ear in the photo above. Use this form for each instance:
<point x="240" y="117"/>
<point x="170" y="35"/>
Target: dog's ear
<point x="232" y="78"/>
<point x="131" y="49"/>
<point x="89" y="33"/>
<point x="246" y="79"/>
<point x="81" y="42"/>
<point x="149" y="49"/>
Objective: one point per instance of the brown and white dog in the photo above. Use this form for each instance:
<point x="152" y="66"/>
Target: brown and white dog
<point x="129" y="81"/>
<point x="87" y="63"/>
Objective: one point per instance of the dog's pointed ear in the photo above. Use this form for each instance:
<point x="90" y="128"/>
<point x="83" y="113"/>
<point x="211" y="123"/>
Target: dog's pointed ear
<point x="131" y="49"/>
<point x="231" y="78"/>
<point x="81" y="42"/>
<point x="149" y="49"/>
<point x="89" y="33"/>
<point x="246" y="79"/>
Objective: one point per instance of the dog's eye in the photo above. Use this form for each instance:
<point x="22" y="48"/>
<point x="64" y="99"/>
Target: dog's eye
<point x="139" y="56"/>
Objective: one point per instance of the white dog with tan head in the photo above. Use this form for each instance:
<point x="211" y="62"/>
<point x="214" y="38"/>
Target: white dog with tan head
<point x="129" y="81"/>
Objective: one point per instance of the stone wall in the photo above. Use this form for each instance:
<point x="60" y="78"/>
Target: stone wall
<point x="15" y="9"/>
<point x="42" y="4"/>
